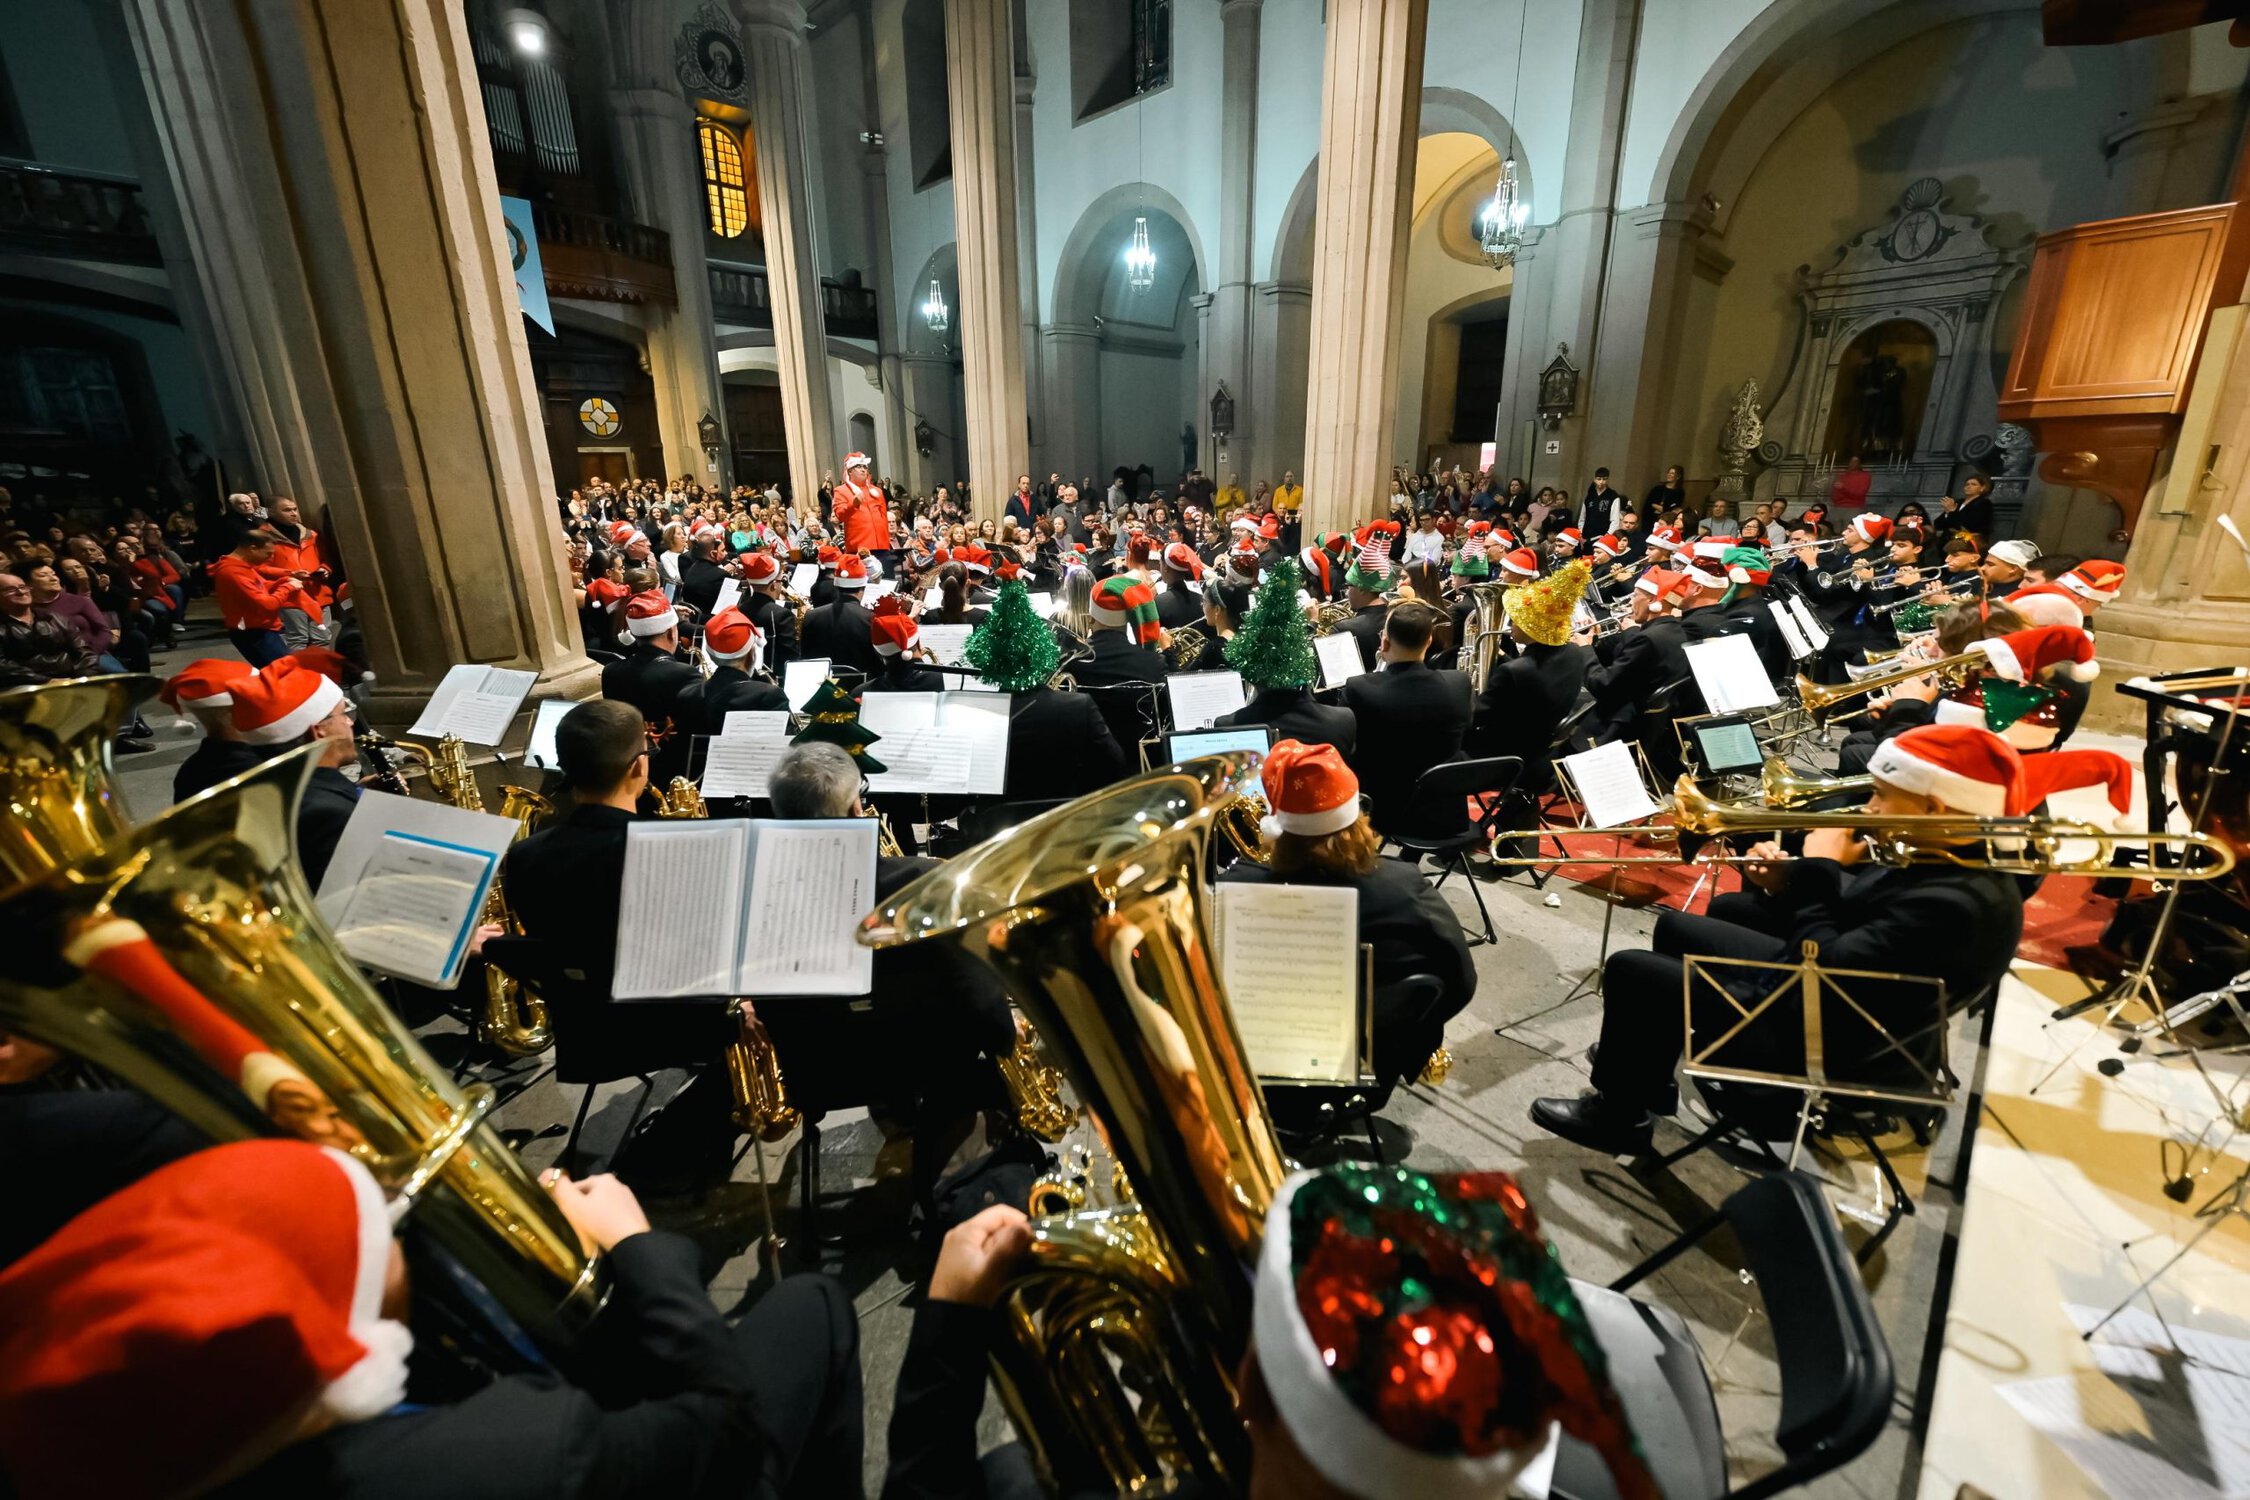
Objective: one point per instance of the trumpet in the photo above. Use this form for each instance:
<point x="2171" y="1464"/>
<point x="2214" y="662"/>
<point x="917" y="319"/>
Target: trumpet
<point x="1817" y="698"/>
<point x="1952" y="594"/>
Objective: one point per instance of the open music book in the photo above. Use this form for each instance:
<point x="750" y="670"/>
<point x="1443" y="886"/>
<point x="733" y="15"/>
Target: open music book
<point x="950" y="744"/>
<point x="1290" y="959"/>
<point x="407" y="883"/>
<point x="740" y="906"/>
<point x="475" y="704"/>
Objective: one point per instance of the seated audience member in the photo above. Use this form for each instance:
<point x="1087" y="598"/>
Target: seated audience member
<point x="1323" y="1418"/>
<point x="250" y="602"/>
<point x="1861" y="914"/>
<point x="289" y="704"/>
<point x="204" y="691"/>
<point x="1527" y="695"/>
<point x="249" y="1303"/>
<point x="35" y="647"/>
<point x="1317" y="835"/>
<point x="730" y="640"/>
<point x="1407" y="717"/>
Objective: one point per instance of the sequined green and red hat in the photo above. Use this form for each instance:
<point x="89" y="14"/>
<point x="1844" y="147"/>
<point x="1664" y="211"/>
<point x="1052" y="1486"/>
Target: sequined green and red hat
<point x="1419" y="1337"/>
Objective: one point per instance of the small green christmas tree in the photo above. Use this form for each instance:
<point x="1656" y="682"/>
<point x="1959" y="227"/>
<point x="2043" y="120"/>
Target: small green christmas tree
<point x="1013" y="649"/>
<point x="832" y="715"/>
<point x="1273" y="649"/>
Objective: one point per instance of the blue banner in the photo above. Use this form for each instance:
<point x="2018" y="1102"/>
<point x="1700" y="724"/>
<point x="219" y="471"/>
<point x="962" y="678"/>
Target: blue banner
<point x="523" y="257"/>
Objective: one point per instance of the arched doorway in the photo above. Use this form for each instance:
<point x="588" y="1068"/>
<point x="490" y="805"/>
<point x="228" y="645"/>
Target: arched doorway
<point x="598" y="406"/>
<point x="1124" y="353"/>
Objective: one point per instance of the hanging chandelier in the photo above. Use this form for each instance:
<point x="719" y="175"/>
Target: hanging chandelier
<point x="933" y="311"/>
<point x="1500" y="227"/>
<point x="1140" y="260"/>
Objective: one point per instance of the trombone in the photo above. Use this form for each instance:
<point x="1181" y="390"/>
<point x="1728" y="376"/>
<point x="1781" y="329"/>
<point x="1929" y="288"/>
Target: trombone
<point x="1817" y="698"/>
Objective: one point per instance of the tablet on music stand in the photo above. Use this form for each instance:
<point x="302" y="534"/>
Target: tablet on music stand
<point x="1726" y="745"/>
<point x="1179" y="747"/>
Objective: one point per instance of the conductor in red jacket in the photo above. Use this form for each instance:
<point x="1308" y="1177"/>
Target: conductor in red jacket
<point x="863" y="511"/>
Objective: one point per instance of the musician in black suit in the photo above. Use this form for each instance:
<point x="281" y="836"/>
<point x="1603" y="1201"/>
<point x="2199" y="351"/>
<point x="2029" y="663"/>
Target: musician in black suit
<point x="1633" y="665"/>
<point x="704" y="573"/>
<point x="1941" y="922"/>
<point x="769" y="608"/>
<point x="1527" y="695"/>
<point x="897" y="644"/>
<point x="253" y="1290"/>
<point x="729" y="640"/>
<point x="1741" y="610"/>
<point x="651" y="677"/>
<point x="842" y="629"/>
<point x="1408" y="716"/>
<point x="1365" y="623"/>
<point x="1180" y="606"/>
<point x="284" y="706"/>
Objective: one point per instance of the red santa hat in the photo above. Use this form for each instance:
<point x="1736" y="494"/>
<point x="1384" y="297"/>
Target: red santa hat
<point x="2025" y="655"/>
<point x="1523" y="562"/>
<point x="2048" y="604"/>
<point x="2097" y="581"/>
<point x="1309" y="789"/>
<point x="974" y="558"/>
<point x="1969" y="769"/>
<point x="1607" y="546"/>
<point x="851" y="574"/>
<point x="648" y="613"/>
<point x="1242" y="523"/>
<point x="1181" y="558"/>
<point x="221" y="1300"/>
<point x="623" y="534"/>
<point x="1270" y="527"/>
<point x="1705" y="573"/>
<point x="1667" y="537"/>
<point x="760" y="568"/>
<point x="282" y="702"/>
<point x="828" y="556"/>
<point x="604" y="592"/>
<point x="1319" y="568"/>
<point x="2066" y="770"/>
<point x="1664" y="585"/>
<point x="730" y="636"/>
<point x="208" y="683"/>
<point x="893" y="630"/>
<point x="855" y="461"/>
<point x="1709" y="548"/>
<point x="1870" y="528"/>
<point x="1571" y="537"/>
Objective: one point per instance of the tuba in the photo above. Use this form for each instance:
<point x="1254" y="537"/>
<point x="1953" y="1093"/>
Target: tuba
<point x="55" y="769"/>
<point x="1124" y="1332"/>
<point x="1488" y="625"/>
<point x="187" y="958"/>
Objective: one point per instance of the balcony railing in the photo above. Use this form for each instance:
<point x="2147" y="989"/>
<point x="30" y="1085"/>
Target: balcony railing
<point x="611" y="260"/>
<point x="739" y="295"/>
<point x="84" y="215"/>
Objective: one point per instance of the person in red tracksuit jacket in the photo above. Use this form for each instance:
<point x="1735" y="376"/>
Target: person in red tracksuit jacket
<point x="863" y="511"/>
<point x="250" y="602"/>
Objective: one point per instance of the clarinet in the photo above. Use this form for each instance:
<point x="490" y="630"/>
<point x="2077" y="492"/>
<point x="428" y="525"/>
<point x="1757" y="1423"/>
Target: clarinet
<point x="375" y="750"/>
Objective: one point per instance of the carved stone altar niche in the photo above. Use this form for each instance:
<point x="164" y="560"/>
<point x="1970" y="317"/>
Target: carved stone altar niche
<point x="1893" y="360"/>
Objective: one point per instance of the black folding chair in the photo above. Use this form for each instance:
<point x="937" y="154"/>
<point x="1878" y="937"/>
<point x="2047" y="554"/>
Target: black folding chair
<point x="1837" y="1380"/>
<point x="533" y="964"/>
<point x="1437" y="822"/>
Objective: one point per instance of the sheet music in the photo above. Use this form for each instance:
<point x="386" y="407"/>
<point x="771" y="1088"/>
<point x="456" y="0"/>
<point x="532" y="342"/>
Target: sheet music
<point x="730" y="595"/>
<point x="539" y="752"/>
<point x="810" y="883"/>
<point x="475" y="704"/>
<point x="802" y="678"/>
<point x="1042" y="605"/>
<point x="739" y="765"/>
<point x="1340" y="660"/>
<point x="1608" y="778"/>
<point x="758" y="723"/>
<point x="413" y="907"/>
<point x="932" y="760"/>
<point x="933" y="597"/>
<point x="679" y="915"/>
<point x="887" y="714"/>
<point x="945" y="642"/>
<point x="802" y="578"/>
<point x="1809" y="623"/>
<point x="1799" y="647"/>
<point x="376" y="817"/>
<point x="881" y="589"/>
<point x="1731" y="677"/>
<point x="1289" y="957"/>
<point x="1200" y="697"/>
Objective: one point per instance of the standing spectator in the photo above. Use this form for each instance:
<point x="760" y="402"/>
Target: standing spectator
<point x="1663" y="497"/>
<point x="1597" y="513"/>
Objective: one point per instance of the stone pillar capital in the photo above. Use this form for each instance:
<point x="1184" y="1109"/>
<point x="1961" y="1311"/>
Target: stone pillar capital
<point x="786" y="17"/>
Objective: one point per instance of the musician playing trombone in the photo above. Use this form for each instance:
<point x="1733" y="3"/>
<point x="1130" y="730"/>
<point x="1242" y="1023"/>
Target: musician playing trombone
<point x="1938" y="921"/>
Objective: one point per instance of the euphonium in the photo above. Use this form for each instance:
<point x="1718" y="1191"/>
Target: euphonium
<point x="1778" y="786"/>
<point x="1330" y="614"/>
<point x="1187" y="644"/>
<point x="514" y="1018"/>
<point x="62" y="792"/>
<point x="188" y="958"/>
<point x="1123" y="1333"/>
<point x="1488" y="624"/>
<point x="684" y="800"/>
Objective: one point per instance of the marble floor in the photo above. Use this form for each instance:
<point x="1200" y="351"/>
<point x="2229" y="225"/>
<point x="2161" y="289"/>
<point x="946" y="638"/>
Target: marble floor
<point x="1525" y="1035"/>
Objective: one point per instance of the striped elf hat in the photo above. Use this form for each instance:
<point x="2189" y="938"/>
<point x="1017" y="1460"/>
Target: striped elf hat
<point x="1126" y="603"/>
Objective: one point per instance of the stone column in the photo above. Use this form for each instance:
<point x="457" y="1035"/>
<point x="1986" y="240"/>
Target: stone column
<point x="657" y="158"/>
<point x="773" y="36"/>
<point x="1226" y="349"/>
<point x="332" y="161"/>
<point x="981" y="81"/>
<point x="1027" y="266"/>
<point x="875" y="202"/>
<point x="1632" y="396"/>
<point x="1074" y="417"/>
<point x="1370" y="118"/>
<point x="1280" y="339"/>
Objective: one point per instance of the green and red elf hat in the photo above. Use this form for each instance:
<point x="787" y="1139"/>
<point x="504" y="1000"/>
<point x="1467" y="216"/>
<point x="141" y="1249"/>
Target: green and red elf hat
<point x="1419" y="1337"/>
<point x="1126" y="603"/>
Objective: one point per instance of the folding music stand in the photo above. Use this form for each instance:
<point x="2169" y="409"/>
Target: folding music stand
<point x="1590" y="983"/>
<point x="1805" y="988"/>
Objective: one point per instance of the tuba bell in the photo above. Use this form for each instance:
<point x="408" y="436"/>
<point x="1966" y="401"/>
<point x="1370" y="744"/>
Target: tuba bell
<point x="55" y="769"/>
<point x="1124" y="1332"/>
<point x="187" y="957"/>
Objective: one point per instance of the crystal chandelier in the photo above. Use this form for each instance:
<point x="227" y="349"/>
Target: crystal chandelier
<point x="1501" y="224"/>
<point x="1140" y="260"/>
<point x="933" y="311"/>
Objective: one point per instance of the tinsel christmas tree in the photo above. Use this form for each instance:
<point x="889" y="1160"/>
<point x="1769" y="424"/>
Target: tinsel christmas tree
<point x="1273" y="649"/>
<point x="1013" y="649"/>
<point x="832" y="715"/>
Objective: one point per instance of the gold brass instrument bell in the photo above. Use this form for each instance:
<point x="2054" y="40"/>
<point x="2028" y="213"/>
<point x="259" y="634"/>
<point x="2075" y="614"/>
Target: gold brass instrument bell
<point x="187" y="957"/>
<point x="1123" y="1333"/>
<point x="1817" y="698"/>
<point x="1778" y="786"/>
<point x="55" y="768"/>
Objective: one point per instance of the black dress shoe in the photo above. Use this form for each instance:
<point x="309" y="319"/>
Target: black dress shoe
<point x="1593" y="1121"/>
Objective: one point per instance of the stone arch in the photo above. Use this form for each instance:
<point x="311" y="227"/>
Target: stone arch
<point x="1083" y="268"/>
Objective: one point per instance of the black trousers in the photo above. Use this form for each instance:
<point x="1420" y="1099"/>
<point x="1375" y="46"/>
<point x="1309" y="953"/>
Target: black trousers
<point x="1644" y="1027"/>
<point x="803" y="1341"/>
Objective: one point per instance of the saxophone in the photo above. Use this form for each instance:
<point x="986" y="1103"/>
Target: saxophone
<point x="1122" y="1335"/>
<point x="760" y="1094"/>
<point x="513" y="1018"/>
